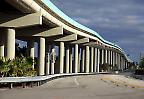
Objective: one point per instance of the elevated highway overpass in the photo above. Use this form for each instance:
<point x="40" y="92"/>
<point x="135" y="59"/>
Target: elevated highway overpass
<point x="42" y="22"/>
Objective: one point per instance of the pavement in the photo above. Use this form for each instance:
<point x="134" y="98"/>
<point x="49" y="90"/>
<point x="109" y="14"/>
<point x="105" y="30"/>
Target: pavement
<point x="123" y="80"/>
<point x="77" y="87"/>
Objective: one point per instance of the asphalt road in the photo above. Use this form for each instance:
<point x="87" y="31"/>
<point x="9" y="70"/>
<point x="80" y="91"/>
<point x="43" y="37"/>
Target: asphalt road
<point x="78" y="87"/>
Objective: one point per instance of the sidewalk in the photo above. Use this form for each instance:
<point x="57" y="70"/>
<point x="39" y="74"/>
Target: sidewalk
<point x="123" y="80"/>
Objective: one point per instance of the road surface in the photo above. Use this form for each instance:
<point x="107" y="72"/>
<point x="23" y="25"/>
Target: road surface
<point x="78" y="87"/>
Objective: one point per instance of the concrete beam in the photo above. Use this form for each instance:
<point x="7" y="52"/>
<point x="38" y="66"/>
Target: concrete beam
<point x="71" y="37"/>
<point x="51" y="32"/>
<point x="90" y="44"/>
<point x="94" y="44"/>
<point x="40" y="32"/>
<point x="20" y="20"/>
<point x="80" y="41"/>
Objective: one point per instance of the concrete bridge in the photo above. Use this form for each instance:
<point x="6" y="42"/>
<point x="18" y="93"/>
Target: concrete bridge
<point x="80" y="48"/>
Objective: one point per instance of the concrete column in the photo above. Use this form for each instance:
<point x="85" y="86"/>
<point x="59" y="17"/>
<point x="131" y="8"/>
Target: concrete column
<point x="76" y="58"/>
<point x="113" y="58"/>
<point x="116" y="60"/>
<point x="87" y="59"/>
<point x="67" y="59"/>
<point x="10" y="44"/>
<point x="98" y="59"/>
<point x="30" y="45"/>
<point x="1" y="50"/>
<point x="41" y="56"/>
<point x="95" y="59"/>
<point x="126" y="64"/>
<point x="79" y="60"/>
<point x="119" y="61"/>
<point x="52" y="59"/>
<point x="1" y="46"/>
<point x="48" y="50"/>
<point x="109" y="57"/>
<point x="102" y="56"/>
<point x="123" y="63"/>
<point x="106" y="56"/>
<point x="71" y="68"/>
<point x="83" y="60"/>
<point x="92" y="58"/>
<point x="62" y="57"/>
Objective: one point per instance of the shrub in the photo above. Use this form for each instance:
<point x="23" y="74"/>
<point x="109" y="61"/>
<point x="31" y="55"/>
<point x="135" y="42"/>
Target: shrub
<point x="141" y="64"/>
<point x="21" y="66"/>
<point x="139" y="72"/>
<point x="105" y="67"/>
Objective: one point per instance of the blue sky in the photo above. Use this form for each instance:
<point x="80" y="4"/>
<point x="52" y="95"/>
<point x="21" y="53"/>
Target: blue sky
<point x="119" y="21"/>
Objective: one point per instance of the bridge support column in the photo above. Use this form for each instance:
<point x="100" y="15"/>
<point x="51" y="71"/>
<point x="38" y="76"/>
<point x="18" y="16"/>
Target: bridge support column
<point x="48" y="50"/>
<point x="87" y="59"/>
<point x="10" y="44"/>
<point x="98" y="59"/>
<point x="1" y="45"/>
<point x="92" y="58"/>
<point x="113" y="58"/>
<point x="109" y="56"/>
<point x="79" y="59"/>
<point x="106" y="56"/>
<point x="83" y="60"/>
<point x="41" y="56"/>
<point x="126" y="65"/>
<point x="2" y="50"/>
<point x="118" y="59"/>
<point x="102" y="56"/>
<point x="95" y="59"/>
<point x="67" y="59"/>
<point x="30" y="45"/>
<point x="71" y="61"/>
<point x="121" y="63"/>
<point x="53" y="60"/>
<point x="76" y="58"/>
<point x="62" y="57"/>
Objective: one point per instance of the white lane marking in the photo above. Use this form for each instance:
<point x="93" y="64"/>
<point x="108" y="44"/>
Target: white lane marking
<point x="77" y="83"/>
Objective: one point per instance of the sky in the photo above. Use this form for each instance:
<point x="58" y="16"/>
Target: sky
<point x="118" y="21"/>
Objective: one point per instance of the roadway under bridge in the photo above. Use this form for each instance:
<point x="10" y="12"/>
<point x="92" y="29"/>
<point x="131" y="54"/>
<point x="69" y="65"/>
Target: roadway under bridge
<point x="77" y="87"/>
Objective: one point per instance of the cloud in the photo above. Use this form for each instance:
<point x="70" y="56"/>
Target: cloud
<point x="120" y="21"/>
<point x="82" y="20"/>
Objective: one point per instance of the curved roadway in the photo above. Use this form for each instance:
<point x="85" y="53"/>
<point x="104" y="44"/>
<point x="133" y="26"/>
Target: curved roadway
<point x="79" y="87"/>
